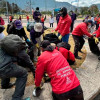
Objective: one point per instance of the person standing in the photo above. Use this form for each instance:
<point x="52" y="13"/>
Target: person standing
<point x="43" y="19"/>
<point x="63" y="26"/>
<point x="51" y="21"/>
<point x="27" y="17"/>
<point x="78" y="33"/>
<point x="64" y="82"/>
<point x="37" y="15"/>
<point x="73" y="17"/>
<point x="1" y="21"/>
<point x="97" y="21"/>
<point x="10" y="18"/>
<point x="20" y="18"/>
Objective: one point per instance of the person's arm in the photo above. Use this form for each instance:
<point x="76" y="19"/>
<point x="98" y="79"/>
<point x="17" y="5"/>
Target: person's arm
<point x="39" y="71"/>
<point x="24" y="57"/>
<point x="98" y="33"/>
<point x="85" y="31"/>
<point x="24" y="34"/>
<point x="58" y="25"/>
<point x="10" y="30"/>
<point x="32" y="34"/>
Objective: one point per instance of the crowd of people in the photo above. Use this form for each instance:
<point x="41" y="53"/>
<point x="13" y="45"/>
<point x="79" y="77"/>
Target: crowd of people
<point x="17" y="52"/>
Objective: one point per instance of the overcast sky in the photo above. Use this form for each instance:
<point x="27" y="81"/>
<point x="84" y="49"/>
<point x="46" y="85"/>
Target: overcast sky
<point x="81" y="2"/>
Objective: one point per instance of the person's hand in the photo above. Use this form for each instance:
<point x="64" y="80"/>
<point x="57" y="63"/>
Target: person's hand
<point x="27" y="40"/>
<point x="37" y="45"/>
<point x="37" y="91"/>
<point x="60" y="37"/>
<point x="56" y="33"/>
<point x="39" y="16"/>
<point x="96" y="40"/>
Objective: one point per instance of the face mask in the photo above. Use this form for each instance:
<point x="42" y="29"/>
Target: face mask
<point x="18" y="28"/>
<point x="89" y="26"/>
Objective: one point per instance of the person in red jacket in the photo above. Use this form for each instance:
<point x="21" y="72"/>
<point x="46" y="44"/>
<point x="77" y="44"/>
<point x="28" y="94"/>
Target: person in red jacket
<point x="97" y="21"/>
<point x="78" y="33"/>
<point x="63" y="26"/>
<point x="65" y="84"/>
<point x="97" y="32"/>
<point x="64" y="48"/>
<point x="27" y="17"/>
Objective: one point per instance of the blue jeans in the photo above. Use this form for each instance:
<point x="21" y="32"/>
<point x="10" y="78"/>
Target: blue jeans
<point x="65" y="38"/>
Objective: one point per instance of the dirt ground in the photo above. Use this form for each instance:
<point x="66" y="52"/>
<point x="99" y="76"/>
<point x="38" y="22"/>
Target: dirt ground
<point x="77" y="64"/>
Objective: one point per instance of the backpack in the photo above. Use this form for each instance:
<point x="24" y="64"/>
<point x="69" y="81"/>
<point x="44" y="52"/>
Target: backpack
<point x="12" y="44"/>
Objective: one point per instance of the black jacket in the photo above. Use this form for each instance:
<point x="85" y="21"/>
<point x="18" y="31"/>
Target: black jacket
<point x="21" y="33"/>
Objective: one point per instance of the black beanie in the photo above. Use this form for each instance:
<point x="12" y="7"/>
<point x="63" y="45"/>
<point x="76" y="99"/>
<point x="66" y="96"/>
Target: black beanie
<point x="46" y="46"/>
<point x="45" y="43"/>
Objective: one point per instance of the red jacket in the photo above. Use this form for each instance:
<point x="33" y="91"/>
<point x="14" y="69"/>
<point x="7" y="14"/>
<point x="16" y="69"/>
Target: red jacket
<point x="63" y="78"/>
<point x="97" y="32"/>
<point x="64" y="24"/>
<point x="27" y="17"/>
<point x="97" y="19"/>
<point x="81" y="29"/>
<point x="67" y="54"/>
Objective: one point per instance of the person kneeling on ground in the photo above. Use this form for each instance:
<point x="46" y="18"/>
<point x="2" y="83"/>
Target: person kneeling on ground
<point x="65" y="84"/>
<point x="64" y="48"/>
<point x="11" y="47"/>
<point x="78" y="33"/>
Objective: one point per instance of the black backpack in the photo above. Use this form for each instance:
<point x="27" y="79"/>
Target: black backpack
<point x="12" y="44"/>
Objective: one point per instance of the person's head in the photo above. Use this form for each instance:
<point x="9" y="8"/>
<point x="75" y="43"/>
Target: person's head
<point x="53" y="44"/>
<point x="18" y="24"/>
<point x="51" y="16"/>
<point x="37" y="8"/>
<point x="71" y="12"/>
<point x="64" y="45"/>
<point x="45" y="46"/>
<point x="89" y="23"/>
<point x="38" y="27"/>
<point x="63" y="11"/>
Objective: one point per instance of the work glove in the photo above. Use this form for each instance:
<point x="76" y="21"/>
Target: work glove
<point x="60" y="37"/>
<point x="96" y="40"/>
<point x="27" y="40"/>
<point x="37" y="45"/>
<point x="37" y="91"/>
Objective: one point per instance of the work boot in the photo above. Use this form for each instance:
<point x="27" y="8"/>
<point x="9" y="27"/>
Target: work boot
<point x="8" y="86"/>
